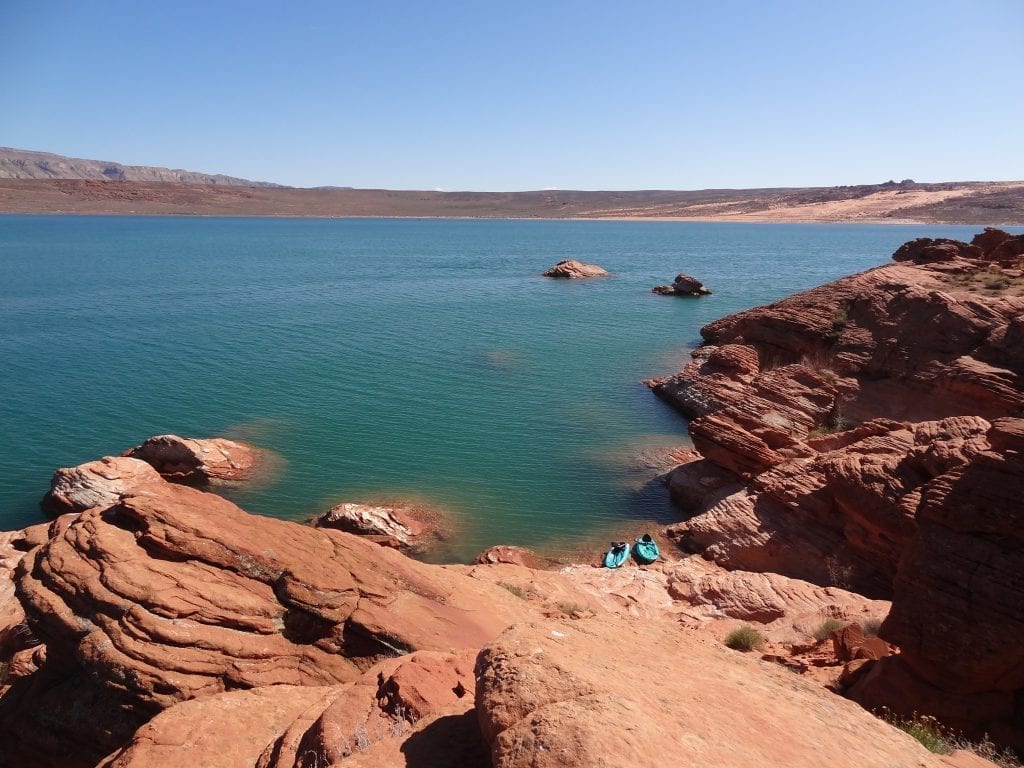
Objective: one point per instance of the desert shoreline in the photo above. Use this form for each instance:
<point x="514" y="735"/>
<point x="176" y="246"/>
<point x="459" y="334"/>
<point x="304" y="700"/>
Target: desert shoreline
<point x="971" y="203"/>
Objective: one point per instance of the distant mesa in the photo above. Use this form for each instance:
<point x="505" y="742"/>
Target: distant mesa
<point x="572" y="270"/>
<point x="25" y="164"/>
<point x="683" y="285"/>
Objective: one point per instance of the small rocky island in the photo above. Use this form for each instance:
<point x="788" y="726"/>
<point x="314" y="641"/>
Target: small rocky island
<point x="851" y="524"/>
<point x="572" y="270"/>
<point x="683" y="285"/>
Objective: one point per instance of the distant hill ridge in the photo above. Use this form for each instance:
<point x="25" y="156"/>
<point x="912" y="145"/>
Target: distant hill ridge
<point x="40" y="182"/>
<point x="26" y="164"/>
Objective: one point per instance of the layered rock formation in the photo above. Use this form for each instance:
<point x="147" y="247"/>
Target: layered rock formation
<point x="96" y="484"/>
<point x="571" y="270"/>
<point x="180" y="630"/>
<point x="194" y="461"/>
<point x="683" y="285"/>
<point x="863" y="434"/>
<point x="172" y="594"/>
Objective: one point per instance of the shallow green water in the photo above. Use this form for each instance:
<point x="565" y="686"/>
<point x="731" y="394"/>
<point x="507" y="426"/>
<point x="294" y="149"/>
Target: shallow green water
<point x="382" y="358"/>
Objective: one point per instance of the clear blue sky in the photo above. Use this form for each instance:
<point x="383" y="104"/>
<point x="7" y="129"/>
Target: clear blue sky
<point x="523" y="95"/>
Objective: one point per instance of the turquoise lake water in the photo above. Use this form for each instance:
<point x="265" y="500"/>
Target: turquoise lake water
<point x="384" y="359"/>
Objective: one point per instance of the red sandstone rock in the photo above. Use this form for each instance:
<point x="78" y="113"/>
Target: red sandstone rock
<point x="173" y="594"/>
<point x="958" y="604"/>
<point x="15" y="635"/>
<point x="843" y="517"/>
<point x="390" y="702"/>
<point x="849" y="643"/>
<point x="574" y="269"/>
<point x="696" y="482"/>
<point x="890" y="683"/>
<point x="196" y="461"/>
<point x="228" y="730"/>
<point x="925" y="250"/>
<point x="96" y="484"/>
<point x="923" y="474"/>
<point x="405" y="527"/>
<point x="505" y="553"/>
<point x="989" y="239"/>
<point x="580" y="694"/>
<point x="398" y="700"/>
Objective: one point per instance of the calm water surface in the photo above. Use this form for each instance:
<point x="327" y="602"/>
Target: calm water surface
<point x="383" y="358"/>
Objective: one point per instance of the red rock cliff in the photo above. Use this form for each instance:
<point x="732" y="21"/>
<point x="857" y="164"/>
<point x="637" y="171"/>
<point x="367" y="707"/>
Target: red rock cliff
<point x="868" y="437"/>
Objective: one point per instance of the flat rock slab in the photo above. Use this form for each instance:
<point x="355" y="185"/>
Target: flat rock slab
<point x="604" y="692"/>
<point x="570" y="269"/>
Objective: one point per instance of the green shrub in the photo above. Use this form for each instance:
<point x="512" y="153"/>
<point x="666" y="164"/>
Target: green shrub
<point x="826" y="628"/>
<point x="927" y="731"/>
<point x="925" y="728"/>
<point x="937" y="738"/>
<point x="746" y="638"/>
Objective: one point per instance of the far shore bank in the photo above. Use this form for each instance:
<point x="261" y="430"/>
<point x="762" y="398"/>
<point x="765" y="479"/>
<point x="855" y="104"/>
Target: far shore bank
<point x="625" y="219"/>
<point x="971" y="203"/>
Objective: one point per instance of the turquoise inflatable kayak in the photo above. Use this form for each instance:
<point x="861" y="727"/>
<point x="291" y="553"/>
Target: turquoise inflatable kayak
<point x="616" y="554"/>
<point x="645" y="550"/>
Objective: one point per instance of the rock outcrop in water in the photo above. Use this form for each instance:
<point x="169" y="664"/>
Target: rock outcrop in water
<point x="865" y="434"/>
<point x="571" y="270"/>
<point x="404" y="526"/>
<point x="188" y="460"/>
<point x="683" y="285"/>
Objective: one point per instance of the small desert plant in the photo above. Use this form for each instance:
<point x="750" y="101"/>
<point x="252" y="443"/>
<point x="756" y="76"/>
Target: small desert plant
<point x="997" y="283"/>
<point x="826" y="628"/>
<point x="925" y="729"/>
<point x="840" y="317"/>
<point x="4" y="667"/>
<point x="871" y="627"/>
<point x="514" y="589"/>
<point x="746" y="638"/>
<point x="362" y="737"/>
<point x="986" y="749"/>
<point x="937" y="738"/>
<point x="572" y="608"/>
<point x="839" y="575"/>
<point x="837" y="420"/>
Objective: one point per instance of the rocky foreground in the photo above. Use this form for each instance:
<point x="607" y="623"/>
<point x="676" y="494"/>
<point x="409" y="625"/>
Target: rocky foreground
<point x="857" y="444"/>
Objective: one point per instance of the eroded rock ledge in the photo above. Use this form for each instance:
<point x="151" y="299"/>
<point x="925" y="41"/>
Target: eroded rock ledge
<point x="866" y="434"/>
<point x="180" y="630"/>
<point x="172" y="594"/>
